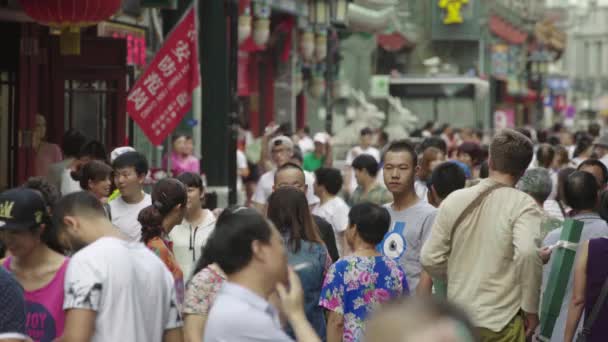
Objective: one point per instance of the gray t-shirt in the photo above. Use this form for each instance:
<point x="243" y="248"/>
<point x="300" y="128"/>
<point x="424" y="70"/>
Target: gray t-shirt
<point x="418" y="220"/>
<point x="594" y="227"/>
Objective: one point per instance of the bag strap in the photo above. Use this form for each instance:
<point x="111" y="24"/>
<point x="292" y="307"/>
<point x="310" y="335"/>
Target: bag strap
<point x="597" y="307"/>
<point x="475" y="203"/>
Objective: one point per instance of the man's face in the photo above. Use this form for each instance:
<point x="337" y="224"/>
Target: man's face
<point x="366" y="140"/>
<point x="596" y="172"/>
<point x="274" y="257"/>
<point x="601" y="151"/>
<point x="465" y="158"/>
<point x="128" y="182"/>
<point x="70" y="234"/>
<point x="281" y="154"/>
<point x="319" y="148"/>
<point x="359" y="176"/>
<point x="290" y="178"/>
<point x="399" y="172"/>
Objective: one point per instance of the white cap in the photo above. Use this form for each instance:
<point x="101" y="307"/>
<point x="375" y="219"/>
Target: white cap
<point x="321" y="138"/>
<point x="120" y="150"/>
<point x="280" y="141"/>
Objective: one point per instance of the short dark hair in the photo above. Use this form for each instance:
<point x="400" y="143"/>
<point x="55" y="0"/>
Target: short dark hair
<point x="484" y="170"/>
<point x="191" y="180"/>
<point x="596" y="163"/>
<point x="72" y="142"/>
<point x="372" y="221"/>
<point x="50" y="194"/>
<point x="94" y="150"/>
<point x="330" y="179"/>
<point x="366" y="131"/>
<point x="436" y="142"/>
<point x="133" y="159"/>
<point x="94" y="170"/>
<point x="229" y="246"/>
<point x="403" y="146"/>
<point x="77" y="203"/>
<point x="472" y="149"/>
<point x="545" y="155"/>
<point x="366" y="162"/>
<point x="581" y="190"/>
<point x="594" y="129"/>
<point x="447" y="178"/>
<point x="511" y="152"/>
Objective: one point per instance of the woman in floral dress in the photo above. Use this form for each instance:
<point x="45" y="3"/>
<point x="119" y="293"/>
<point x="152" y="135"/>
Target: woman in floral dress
<point x="355" y="285"/>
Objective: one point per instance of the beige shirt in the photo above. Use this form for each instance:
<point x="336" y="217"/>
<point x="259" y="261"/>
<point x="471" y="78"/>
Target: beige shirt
<point x="493" y="265"/>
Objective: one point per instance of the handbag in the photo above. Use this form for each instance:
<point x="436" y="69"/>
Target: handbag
<point x="595" y="312"/>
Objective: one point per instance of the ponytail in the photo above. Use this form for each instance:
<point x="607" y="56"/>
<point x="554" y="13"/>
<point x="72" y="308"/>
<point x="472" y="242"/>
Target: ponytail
<point x="151" y="221"/>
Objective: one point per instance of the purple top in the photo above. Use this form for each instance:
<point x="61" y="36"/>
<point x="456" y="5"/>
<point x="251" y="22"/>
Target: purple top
<point x="597" y="272"/>
<point x="180" y="164"/>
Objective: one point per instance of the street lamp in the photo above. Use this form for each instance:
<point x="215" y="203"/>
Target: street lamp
<point x="339" y="9"/>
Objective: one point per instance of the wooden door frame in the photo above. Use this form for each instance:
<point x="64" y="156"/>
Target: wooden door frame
<point x="101" y="59"/>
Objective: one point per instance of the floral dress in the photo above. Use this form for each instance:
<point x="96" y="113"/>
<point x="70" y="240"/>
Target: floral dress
<point x="355" y="285"/>
<point x="202" y="290"/>
<point x="164" y="250"/>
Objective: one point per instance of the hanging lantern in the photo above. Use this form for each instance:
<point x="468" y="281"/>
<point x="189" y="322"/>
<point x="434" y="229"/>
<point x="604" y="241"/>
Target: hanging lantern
<point x="311" y="12"/>
<point x="261" y="24"/>
<point x="321" y="45"/>
<point x="307" y="44"/>
<point x="67" y="17"/>
<point x="321" y="10"/>
<point x="244" y="20"/>
<point x="339" y="9"/>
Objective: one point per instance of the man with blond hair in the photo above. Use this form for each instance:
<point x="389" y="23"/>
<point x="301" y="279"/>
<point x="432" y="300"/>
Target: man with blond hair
<point x="484" y="243"/>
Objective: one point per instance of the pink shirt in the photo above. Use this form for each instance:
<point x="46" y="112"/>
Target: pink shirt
<point x="44" y="307"/>
<point x="180" y="164"/>
<point x="47" y="154"/>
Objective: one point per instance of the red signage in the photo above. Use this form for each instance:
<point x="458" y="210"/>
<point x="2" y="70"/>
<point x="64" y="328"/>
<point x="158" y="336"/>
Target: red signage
<point x="163" y="94"/>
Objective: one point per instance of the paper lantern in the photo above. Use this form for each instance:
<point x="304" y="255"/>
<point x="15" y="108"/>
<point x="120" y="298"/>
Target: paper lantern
<point x="67" y="17"/>
<point x="244" y="20"/>
<point x="261" y="23"/>
<point x="321" y="46"/>
<point x="307" y="44"/>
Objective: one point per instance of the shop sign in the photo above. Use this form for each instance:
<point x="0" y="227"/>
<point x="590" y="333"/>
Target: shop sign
<point x="135" y="37"/>
<point x="163" y="94"/>
<point x="379" y="86"/>
<point x="500" y="61"/>
<point x="504" y="118"/>
<point x="453" y="11"/>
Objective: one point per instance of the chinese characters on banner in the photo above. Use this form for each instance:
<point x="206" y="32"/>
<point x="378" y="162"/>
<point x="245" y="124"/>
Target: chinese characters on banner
<point x="163" y="94"/>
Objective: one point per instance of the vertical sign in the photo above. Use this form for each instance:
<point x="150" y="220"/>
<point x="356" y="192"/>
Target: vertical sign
<point x="163" y="94"/>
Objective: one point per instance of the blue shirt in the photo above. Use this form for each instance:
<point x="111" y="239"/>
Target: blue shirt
<point x="12" y="308"/>
<point x="240" y="315"/>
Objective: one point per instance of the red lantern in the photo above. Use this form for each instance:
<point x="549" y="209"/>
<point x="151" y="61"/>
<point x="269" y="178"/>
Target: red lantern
<point x="68" y="16"/>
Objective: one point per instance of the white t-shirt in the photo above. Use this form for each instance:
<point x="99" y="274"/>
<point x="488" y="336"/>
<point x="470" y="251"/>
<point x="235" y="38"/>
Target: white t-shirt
<point x="266" y="182"/>
<point x="124" y="216"/>
<point x="335" y="211"/>
<point x="129" y="288"/>
<point x="68" y="184"/>
<point x="188" y="240"/>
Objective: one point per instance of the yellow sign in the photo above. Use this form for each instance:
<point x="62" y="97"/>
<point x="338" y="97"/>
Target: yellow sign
<point x="453" y="9"/>
<point x="6" y="210"/>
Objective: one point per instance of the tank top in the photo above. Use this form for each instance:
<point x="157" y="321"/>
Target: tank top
<point x="597" y="271"/>
<point x="45" y="318"/>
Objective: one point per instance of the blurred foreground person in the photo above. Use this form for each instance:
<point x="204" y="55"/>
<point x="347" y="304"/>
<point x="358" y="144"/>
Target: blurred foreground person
<point x="12" y="309"/>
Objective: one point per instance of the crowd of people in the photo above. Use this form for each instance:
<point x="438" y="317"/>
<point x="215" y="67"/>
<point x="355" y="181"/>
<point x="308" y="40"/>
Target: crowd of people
<point x="445" y="237"/>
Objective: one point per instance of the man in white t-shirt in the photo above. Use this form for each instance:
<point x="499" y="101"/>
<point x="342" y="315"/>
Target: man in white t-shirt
<point x="115" y="289"/>
<point x="130" y="171"/>
<point x="281" y="151"/>
<point x="365" y="147"/>
<point x="332" y="208"/>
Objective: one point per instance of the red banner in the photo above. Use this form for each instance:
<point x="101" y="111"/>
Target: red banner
<point x="163" y="94"/>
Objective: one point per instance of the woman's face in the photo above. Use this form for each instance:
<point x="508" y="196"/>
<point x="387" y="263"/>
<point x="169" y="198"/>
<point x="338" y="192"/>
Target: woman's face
<point x="101" y="188"/>
<point x="179" y="146"/>
<point x="195" y="197"/>
<point x="20" y="244"/>
<point x="440" y="159"/>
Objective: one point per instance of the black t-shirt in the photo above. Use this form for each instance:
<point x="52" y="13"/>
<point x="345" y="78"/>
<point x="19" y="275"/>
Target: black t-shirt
<point x="12" y="305"/>
<point x="328" y="237"/>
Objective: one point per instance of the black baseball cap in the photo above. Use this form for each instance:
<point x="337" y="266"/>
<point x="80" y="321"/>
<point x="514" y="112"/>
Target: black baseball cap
<point x="21" y="209"/>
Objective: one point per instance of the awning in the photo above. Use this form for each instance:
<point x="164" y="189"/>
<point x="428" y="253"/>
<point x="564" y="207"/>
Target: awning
<point x="393" y="41"/>
<point x="505" y="30"/>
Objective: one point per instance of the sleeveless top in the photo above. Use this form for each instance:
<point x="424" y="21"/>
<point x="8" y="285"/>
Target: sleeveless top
<point x="597" y="272"/>
<point x="45" y="318"/>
